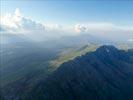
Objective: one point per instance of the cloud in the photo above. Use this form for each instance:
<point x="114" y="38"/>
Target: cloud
<point x="16" y="23"/>
<point x="101" y="27"/>
<point x="17" y="12"/>
<point x="80" y="28"/>
<point x="51" y="26"/>
<point x="105" y="30"/>
<point x="130" y="40"/>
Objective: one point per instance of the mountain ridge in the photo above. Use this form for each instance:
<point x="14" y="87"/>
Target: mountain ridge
<point x="90" y="77"/>
<point x="103" y="74"/>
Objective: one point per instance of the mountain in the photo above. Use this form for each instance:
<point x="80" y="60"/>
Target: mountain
<point x="105" y="74"/>
<point x="19" y="59"/>
<point x="13" y="38"/>
<point x="24" y="64"/>
<point x="28" y="70"/>
<point x="72" y="52"/>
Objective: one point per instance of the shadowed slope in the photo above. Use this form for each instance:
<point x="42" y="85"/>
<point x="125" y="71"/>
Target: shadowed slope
<point x="106" y="74"/>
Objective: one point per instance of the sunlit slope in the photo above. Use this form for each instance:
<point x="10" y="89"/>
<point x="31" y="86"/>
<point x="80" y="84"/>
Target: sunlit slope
<point x="71" y="53"/>
<point x="105" y="74"/>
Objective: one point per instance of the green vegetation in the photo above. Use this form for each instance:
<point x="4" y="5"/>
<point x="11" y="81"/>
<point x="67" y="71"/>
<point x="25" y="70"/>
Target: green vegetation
<point x="71" y="53"/>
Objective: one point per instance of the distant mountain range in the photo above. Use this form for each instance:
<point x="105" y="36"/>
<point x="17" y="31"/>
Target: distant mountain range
<point x="43" y="70"/>
<point x="104" y="74"/>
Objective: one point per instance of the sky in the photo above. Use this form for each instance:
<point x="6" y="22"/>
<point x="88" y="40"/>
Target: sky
<point x="73" y="11"/>
<point x="68" y="16"/>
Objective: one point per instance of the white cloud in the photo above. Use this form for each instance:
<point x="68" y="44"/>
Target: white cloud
<point x="17" y="12"/>
<point x="101" y="27"/>
<point x="105" y="30"/>
<point x="16" y="23"/>
<point x="130" y="40"/>
<point x="49" y="27"/>
<point x="80" y="28"/>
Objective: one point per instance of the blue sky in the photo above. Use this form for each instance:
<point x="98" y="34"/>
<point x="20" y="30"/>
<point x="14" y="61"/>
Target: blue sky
<point x="110" y="19"/>
<point x="69" y="12"/>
